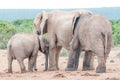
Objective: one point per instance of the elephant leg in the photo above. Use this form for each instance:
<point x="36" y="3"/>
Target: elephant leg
<point x="76" y="60"/>
<point x="32" y="62"/>
<point x="71" y="66"/>
<point x="46" y="61"/>
<point x="29" y="66"/>
<point x="22" y="66"/>
<point x="52" y="52"/>
<point x="101" y="68"/>
<point x="35" y="67"/>
<point x="88" y="61"/>
<point x="10" y="60"/>
<point x="52" y="59"/>
<point x="57" y="56"/>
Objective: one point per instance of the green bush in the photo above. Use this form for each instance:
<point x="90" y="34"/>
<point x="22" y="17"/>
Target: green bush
<point x="6" y="31"/>
<point x="64" y="52"/>
<point x="115" y="31"/>
<point x="24" y="25"/>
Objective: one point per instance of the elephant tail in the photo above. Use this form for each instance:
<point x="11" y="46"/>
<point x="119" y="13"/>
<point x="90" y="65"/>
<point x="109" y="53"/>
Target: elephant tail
<point x="106" y="44"/>
<point x="10" y="51"/>
<point x="74" y="23"/>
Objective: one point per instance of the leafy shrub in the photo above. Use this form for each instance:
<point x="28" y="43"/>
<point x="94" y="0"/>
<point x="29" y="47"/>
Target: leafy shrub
<point x="64" y="52"/>
<point x="115" y="31"/>
<point x="6" y="31"/>
<point x="24" y="25"/>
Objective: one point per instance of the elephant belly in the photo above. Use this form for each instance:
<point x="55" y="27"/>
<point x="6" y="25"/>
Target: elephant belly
<point x="64" y="44"/>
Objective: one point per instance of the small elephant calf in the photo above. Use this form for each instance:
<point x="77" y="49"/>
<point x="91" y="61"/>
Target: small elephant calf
<point x="22" y="46"/>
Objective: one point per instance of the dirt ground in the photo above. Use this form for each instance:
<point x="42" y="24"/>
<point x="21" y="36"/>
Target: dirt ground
<point x="113" y="69"/>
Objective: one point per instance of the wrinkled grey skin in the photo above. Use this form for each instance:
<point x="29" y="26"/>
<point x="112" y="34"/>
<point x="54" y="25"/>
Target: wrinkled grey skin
<point x="45" y="49"/>
<point x="92" y="34"/>
<point x="22" y="46"/>
<point x="58" y="25"/>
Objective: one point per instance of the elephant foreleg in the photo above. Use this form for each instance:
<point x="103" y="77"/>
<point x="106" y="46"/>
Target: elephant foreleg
<point x="88" y="61"/>
<point x="52" y="59"/>
<point x="32" y="63"/>
<point x="57" y="57"/>
<point x="46" y="60"/>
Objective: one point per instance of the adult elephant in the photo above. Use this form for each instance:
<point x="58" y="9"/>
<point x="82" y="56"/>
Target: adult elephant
<point x="93" y="33"/>
<point x="58" y="25"/>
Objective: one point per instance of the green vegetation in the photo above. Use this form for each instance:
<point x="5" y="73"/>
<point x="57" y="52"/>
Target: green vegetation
<point x="64" y="52"/>
<point x="115" y="31"/>
<point x="25" y="25"/>
<point x="8" y="29"/>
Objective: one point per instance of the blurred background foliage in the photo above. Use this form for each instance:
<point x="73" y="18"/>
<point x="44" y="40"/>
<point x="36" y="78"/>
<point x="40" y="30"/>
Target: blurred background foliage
<point x="8" y="29"/>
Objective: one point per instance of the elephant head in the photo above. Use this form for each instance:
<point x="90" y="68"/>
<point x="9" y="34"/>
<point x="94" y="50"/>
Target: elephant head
<point x="43" y="43"/>
<point x="40" y="23"/>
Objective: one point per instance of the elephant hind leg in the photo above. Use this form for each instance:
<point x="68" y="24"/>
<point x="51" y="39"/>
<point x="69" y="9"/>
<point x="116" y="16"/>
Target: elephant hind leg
<point x="22" y="66"/>
<point x="101" y="68"/>
<point x="10" y="60"/>
<point x="74" y="50"/>
<point x="76" y="60"/>
<point x="88" y="61"/>
<point x="52" y="59"/>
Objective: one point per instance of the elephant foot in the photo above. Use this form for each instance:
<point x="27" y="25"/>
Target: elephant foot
<point x="30" y="71"/>
<point x="9" y="71"/>
<point x="35" y="69"/>
<point x="87" y="68"/>
<point x="70" y="69"/>
<point x="23" y="71"/>
<point x="101" y="69"/>
<point x="45" y="69"/>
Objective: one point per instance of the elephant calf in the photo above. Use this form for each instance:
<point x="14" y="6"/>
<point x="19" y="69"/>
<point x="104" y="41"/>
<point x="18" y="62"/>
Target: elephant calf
<point x="22" y="46"/>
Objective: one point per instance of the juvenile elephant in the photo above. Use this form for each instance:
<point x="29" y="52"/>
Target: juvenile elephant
<point x="92" y="33"/>
<point x="58" y="25"/>
<point x="22" y="46"/>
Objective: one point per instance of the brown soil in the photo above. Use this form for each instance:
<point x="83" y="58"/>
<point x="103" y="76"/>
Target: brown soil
<point x="113" y="69"/>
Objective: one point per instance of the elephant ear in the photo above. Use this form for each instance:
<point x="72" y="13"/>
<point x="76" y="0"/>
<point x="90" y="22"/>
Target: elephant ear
<point x="42" y="45"/>
<point x="40" y="23"/>
<point x="43" y="25"/>
<point x="75" y="21"/>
